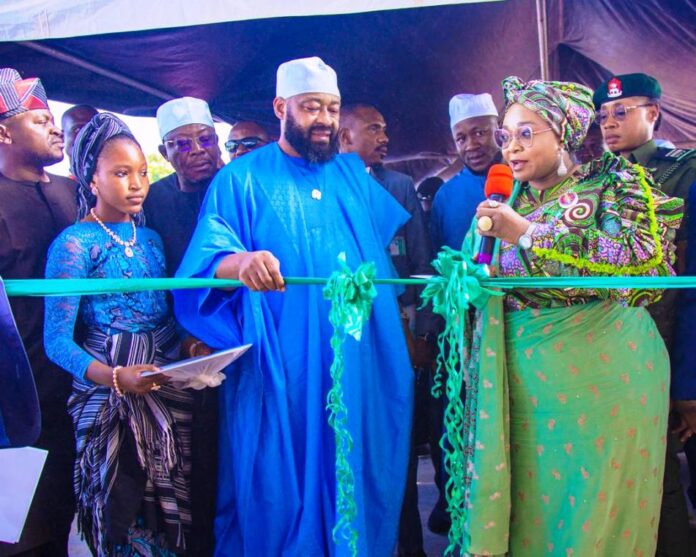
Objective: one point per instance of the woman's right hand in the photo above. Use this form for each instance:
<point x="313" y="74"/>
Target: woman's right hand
<point x="130" y="379"/>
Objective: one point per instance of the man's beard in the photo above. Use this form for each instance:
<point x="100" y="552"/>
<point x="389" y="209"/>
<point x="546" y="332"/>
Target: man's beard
<point x="44" y="159"/>
<point x="301" y="140"/>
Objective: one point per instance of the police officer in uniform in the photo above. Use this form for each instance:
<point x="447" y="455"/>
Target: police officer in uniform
<point x="628" y="112"/>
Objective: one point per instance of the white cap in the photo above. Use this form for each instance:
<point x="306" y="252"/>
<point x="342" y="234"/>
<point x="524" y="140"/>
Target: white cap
<point x="466" y="106"/>
<point x="306" y="75"/>
<point x="181" y="112"/>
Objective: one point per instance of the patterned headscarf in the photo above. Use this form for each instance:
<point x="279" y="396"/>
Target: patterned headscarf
<point x="85" y="153"/>
<point x="19" y="95"/>
<point x="566" y="106"/>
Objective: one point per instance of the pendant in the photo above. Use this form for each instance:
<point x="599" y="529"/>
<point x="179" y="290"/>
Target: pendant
<point x="316" y="194"/>
<point x="129" y="251"/>
<point x="568" y="200"/>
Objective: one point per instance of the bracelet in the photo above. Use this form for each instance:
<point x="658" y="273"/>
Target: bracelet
<point x="118" y="390"/>
<point x="193" y="347"/>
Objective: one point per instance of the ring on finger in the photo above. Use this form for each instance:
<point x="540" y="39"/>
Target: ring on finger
<point x="155" y="387"/>
<point x="493" y="204"/>
<point x="485" y="223"/>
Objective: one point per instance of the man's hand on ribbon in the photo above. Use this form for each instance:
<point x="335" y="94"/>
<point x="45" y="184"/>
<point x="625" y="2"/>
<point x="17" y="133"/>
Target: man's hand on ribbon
<point x="258" y="270"/>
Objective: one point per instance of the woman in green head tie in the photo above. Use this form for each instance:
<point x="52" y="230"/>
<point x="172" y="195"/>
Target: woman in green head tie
<point x="568" y="388"/>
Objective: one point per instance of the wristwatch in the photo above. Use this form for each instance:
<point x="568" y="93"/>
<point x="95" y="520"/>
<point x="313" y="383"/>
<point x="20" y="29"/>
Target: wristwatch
<point x="525" y="241"/>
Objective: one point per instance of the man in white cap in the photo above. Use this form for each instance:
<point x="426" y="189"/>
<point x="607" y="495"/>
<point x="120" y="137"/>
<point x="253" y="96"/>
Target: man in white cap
<point x="292" y="207"/>
<point x="473" y="119"/>
<point x="190" y="145"/>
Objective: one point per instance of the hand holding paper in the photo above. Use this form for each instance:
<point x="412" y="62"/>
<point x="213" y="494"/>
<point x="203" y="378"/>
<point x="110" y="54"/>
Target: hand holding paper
<point x="201" y="372"/>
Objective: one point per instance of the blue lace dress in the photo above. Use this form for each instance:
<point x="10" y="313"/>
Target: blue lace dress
<point x="132" y="468"/>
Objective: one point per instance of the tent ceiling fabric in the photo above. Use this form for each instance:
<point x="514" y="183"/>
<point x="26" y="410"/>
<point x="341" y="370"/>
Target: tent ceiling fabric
<point x="21" y="20"/>
<point x="407" y="62"/>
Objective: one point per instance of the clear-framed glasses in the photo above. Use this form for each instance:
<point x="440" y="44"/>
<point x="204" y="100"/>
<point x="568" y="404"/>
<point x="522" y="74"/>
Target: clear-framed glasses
<point x="524" y="135"/>
<point x="185" y="144"/>
<point x="247" y="142"/>
<point x="619" y="111"/>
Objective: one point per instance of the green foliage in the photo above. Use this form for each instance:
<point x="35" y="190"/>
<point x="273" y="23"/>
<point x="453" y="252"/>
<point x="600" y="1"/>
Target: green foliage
<point x="157" y="167"/>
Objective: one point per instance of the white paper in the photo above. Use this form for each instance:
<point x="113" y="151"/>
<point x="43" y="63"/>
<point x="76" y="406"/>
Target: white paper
<point x="20" y="470"/>
<point x="202" y="371"/>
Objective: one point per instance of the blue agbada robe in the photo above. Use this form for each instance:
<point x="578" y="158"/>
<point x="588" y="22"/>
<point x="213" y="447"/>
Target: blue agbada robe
<point x="454" y="207"/>
<point x="277" y="468"/>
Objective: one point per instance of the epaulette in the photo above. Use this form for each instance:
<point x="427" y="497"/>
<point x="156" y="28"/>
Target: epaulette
<point x="678" y="158"/>
<point x="675" y="155"/>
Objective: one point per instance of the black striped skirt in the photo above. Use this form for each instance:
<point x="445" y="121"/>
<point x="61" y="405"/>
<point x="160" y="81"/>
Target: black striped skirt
<point x="132" y="469"/>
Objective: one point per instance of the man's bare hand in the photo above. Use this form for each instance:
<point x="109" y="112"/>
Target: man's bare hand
<point x="260" y="271"/>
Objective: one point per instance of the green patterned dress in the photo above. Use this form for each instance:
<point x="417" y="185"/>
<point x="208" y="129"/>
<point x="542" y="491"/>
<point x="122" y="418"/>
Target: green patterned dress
<point x="568" y="389"/>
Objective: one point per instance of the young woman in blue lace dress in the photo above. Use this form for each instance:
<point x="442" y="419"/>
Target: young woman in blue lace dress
<point x="133" y="432"/>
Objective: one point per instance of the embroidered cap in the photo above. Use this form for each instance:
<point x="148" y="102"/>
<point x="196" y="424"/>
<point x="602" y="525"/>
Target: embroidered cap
<point x="466" y="105"/>
<point x="181" y="112"/>
<point x="19" y="95"/>
<point x="306" y="75"/>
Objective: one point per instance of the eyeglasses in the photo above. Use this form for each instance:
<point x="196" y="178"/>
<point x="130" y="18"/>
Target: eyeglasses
<point x="247" y="142"/>
<point x="524" y="135"/>
<point x="185" y="144"/>
<point x="618" y="112"/>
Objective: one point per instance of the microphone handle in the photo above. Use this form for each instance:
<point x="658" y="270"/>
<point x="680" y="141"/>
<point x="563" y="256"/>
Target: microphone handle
<point x="485" y="254"/>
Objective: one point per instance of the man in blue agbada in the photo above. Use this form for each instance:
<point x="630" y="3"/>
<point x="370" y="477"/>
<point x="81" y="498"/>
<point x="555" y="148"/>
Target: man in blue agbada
<point x="290" y="208"/>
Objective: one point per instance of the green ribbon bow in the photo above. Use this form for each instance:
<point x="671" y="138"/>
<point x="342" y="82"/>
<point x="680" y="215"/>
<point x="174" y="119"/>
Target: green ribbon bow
<point x="457" y="287"/>
<point x="351" y="294"/>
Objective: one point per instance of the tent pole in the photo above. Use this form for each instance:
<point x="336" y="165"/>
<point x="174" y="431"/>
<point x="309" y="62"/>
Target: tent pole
<point x="543" y="41"/>
<point x="74" y="60"/>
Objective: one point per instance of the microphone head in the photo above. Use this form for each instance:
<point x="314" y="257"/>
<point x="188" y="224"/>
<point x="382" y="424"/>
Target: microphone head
<point x="499" y="181"/>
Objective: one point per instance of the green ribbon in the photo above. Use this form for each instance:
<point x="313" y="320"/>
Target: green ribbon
<point x="457" y="287"/>
<point x="87" y="287"/>
<point x="351" y="294"/>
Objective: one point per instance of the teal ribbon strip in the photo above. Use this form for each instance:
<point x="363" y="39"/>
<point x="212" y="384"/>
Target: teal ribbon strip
<point x="458" y="286"/>
<point x="86" y="287"/>
<point x="351" y="294"/>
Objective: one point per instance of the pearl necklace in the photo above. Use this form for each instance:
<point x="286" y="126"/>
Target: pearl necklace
<point x="127" y="246"/>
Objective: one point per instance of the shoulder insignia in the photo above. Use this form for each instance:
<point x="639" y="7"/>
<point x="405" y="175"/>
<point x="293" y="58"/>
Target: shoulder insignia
<point x="676" y="155"/>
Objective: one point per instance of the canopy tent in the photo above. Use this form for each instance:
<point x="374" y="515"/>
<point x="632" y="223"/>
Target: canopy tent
<point x="407" y="61"/>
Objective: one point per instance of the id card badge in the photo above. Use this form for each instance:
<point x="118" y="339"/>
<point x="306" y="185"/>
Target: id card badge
<point x="397" y="246"/>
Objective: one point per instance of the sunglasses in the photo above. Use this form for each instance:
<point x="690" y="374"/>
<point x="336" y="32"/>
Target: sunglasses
<point x="618" y="112"/>
<point x="247" y="142"/>
<point x="185" y="144"/>
<point x="524" y="135"/>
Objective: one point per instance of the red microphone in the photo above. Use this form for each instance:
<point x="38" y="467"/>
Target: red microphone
<point x="498" y="188"/>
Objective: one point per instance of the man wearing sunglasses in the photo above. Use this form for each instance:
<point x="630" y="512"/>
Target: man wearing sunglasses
<point x="190" y="145"/>
<point x="628" y="112"/>
<point x="244" y="138"/>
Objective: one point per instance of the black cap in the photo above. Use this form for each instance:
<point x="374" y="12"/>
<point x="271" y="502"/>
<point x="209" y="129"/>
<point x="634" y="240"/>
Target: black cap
<point x="628" y="85"/>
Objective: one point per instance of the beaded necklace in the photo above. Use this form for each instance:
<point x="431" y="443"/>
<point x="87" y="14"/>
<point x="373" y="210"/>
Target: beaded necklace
<point x="127" y="245"/>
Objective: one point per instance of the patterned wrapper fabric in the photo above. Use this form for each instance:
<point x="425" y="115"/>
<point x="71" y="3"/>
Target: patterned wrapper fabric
<point x="567" y="391"/>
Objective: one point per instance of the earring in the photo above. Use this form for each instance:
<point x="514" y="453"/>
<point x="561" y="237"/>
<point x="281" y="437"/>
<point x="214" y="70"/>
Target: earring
<point x="562" y="168"/>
